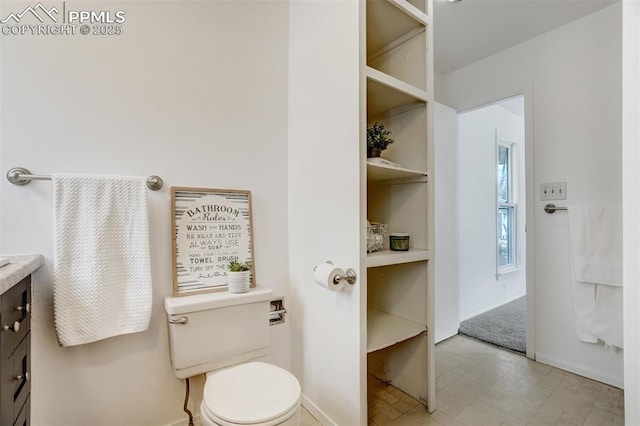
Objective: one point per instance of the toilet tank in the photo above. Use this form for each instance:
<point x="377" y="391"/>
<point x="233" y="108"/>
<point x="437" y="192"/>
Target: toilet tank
<point x="216" y="330"/>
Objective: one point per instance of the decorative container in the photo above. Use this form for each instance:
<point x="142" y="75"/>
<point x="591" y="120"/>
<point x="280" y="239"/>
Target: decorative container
<point x="399" y="242"/>
<point x="374" y="152"/>
<point x="238" y="282"/>
<point x="375" y="236"/>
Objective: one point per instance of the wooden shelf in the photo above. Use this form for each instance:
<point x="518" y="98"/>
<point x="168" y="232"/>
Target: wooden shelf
<point x="380" y="170"/>
<point x="386" y="93"/>
<point x="384" y="330"/>
<point x="399" y="81"/>
<point x="390" y="21"/>
<point x="388" y="257"/>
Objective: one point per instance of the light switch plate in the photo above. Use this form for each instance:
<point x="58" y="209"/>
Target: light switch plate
<point x="553" y="191"/>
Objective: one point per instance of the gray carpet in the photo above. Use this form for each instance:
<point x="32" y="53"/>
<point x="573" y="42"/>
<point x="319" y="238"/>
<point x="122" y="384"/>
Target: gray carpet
<point x="504" y="326"/>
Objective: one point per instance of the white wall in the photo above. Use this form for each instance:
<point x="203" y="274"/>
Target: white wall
<point x="576" y="75"/>
<point x="196" y="93"/>
<point x="328" y="339"/>
<point x="480" y="290"/>
<point x="438" y="85"/>
<point x="631" y="196"/>
<point x="447" y="293"/>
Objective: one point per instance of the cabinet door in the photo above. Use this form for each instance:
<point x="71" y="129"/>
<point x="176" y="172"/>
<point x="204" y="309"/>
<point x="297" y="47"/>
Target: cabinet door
<point x="325" y="216"/>
<point x="20" y="379"/>
<point x="24" y="418"/>
<point x="15" y="316"/>
<point x="15" y="381"/>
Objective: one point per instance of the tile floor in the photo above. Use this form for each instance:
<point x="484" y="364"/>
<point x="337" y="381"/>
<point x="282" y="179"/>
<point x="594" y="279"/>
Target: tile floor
<point x="482" y="385"/>
<point x="478" y="384"/>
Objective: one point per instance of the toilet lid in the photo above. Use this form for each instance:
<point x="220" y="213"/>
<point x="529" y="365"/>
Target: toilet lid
<point x="249" y="393"/>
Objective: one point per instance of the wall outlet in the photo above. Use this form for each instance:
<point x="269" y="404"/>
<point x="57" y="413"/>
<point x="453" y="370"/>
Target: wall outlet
<point x="553" y="191"/>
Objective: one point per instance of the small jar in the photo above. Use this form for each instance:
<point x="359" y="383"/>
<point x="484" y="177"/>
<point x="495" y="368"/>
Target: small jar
<point x="375" y="236"/>
<point x="399" y="241"/>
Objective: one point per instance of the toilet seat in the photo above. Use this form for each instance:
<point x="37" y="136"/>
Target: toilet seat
<point x="209" y="419"/>
<point x="255" y="393"/>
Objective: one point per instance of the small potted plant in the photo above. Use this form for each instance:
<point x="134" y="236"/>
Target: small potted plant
<point x="238" y="277"/>
<point x="377" y="139"/>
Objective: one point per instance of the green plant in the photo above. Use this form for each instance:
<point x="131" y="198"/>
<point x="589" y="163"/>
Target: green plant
<point x="239" y="267"/>
<point x="378" y="136"/>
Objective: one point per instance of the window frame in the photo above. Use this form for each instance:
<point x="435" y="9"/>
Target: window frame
<point x="511" y="205"/>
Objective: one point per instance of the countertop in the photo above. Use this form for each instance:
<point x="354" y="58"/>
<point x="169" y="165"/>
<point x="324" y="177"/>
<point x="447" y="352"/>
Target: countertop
<point x="19" y="266"/>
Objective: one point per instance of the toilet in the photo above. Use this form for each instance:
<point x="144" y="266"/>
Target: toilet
<point x="223" y="335"/>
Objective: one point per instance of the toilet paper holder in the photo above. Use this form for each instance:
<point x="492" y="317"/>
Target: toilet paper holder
<point x="349" y="276"/>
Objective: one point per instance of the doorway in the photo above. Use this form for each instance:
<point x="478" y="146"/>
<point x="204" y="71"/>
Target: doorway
<point x="491" y="209"/>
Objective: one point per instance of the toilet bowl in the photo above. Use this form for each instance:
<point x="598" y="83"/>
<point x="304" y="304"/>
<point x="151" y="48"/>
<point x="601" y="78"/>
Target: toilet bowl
<point x="254" y="393"/>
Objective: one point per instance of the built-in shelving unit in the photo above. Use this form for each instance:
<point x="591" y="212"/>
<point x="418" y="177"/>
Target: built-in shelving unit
<point x="388" y="94"/>
<point x="385" y="171"/>
<point x="388" y="257"/>
<point x="385" y="330"/>
<point x="399" y="92"/>
<point x="390" y="22"/>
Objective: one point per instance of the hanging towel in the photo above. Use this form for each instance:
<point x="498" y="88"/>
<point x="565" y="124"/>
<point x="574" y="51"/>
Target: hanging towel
<point x="102" y="268"/>
<point x="584" y="308"/>
<point x="606" y="323"/>
<point x="596" y="244"/>
<point x="596" y="261"/>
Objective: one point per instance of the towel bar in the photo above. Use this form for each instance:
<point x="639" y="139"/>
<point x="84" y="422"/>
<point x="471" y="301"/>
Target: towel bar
<point x="551" y="208"/>
<point x="22" y="176"/>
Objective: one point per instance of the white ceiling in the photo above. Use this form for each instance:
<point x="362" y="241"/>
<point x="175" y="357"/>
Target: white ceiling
<point x="469" y="30"/>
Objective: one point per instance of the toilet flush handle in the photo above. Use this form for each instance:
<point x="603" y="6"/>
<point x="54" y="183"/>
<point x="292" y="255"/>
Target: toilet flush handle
<point x="181" y="320"/>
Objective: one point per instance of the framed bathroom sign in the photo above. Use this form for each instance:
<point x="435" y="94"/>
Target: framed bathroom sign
<point x="210" y="227"/>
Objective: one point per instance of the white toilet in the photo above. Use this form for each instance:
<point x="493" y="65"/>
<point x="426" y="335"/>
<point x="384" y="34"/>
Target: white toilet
<point x="218" y="334"/>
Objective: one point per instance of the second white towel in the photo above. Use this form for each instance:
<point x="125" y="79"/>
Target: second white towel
<point x="596" y="260"/>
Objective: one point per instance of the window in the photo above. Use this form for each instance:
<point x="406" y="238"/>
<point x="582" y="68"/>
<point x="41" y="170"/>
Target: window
<point x="506" y="208"/>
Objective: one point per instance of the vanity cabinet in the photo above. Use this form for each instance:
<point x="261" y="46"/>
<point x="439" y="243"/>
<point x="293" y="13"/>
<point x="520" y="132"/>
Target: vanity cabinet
<point x="15" y="353"/>
<point x="15" y="339"/>
<point x="399" y="94"/>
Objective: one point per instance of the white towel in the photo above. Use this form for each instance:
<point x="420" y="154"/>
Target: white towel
<point x="584" y="307"/>
<point x="596" y="244"/>
<point x="596" y="260"/>
<point x="102" y="268"/>
<point x="606" y="323"/>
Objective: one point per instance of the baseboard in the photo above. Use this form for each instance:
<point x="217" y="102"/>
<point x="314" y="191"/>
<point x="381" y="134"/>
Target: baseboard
<point x="185" y="422"/>
<point x="316" y="412"/>
<point x="475" y="314"/>
<point x="581" y="371"/>
<point x="447" y="335"/>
